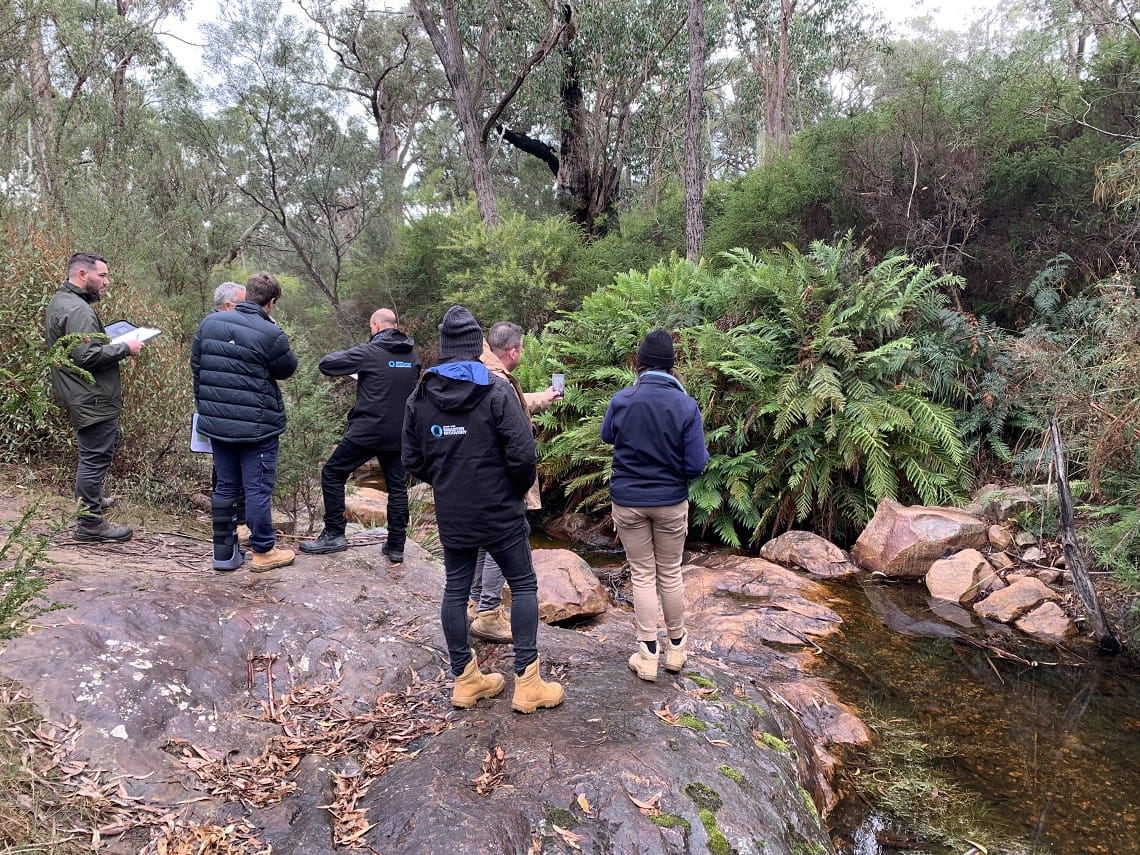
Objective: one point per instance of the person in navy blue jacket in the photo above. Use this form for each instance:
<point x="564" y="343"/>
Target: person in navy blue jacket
<point x="237" y="357"/>
<point x="659" y="447"/>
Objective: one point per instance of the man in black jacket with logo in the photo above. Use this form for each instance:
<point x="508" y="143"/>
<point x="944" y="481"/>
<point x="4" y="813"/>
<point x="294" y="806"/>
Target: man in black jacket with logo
<point x="386" y="368"/>
<point x="237" y="357"/>
<point x="467" y="436"/>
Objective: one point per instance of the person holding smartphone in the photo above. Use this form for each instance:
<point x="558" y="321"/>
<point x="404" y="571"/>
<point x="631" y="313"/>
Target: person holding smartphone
<point x="659" y="447"/>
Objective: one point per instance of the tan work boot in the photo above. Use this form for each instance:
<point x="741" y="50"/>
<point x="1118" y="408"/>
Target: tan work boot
<point x="675" y="656"/>
<point x="532" y="692"/>
<point x="472" y="610"/>
<point x="473" y="684"/>
<point x="272" y="559"/>
<point x="492" y="625"/>
<point x="643" y="663"/>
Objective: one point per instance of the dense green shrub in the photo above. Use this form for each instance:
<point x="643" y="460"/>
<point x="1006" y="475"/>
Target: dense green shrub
<point x="30" y="269"/>
<point x="23" y="558"/>
<point x="807" y="372"/>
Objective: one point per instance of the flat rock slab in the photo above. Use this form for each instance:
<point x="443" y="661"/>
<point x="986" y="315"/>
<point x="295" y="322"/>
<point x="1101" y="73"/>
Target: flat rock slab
<point x="1008" y="604"/>
<point x="157" y="658"/>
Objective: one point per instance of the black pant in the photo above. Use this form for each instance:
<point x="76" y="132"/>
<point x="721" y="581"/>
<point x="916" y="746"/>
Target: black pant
<point x="347" y="458"/>
<point x="96" y="450"/>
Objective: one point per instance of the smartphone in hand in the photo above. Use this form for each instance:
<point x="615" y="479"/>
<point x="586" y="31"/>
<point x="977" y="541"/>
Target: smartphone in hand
<point x="558" y="383"/>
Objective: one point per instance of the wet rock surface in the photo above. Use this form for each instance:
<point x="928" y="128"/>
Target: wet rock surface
<point x="161" y="660"/>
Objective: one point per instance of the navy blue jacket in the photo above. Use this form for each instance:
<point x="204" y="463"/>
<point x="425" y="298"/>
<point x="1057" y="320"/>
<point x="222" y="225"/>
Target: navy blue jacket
<point x="467" y="436"/>
<point x="386" y="368"/>
<point x="237" y="358"/>
<point x="658" y="439"/>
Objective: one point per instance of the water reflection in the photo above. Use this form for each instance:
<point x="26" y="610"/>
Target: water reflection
<point x="1052" y="750"/>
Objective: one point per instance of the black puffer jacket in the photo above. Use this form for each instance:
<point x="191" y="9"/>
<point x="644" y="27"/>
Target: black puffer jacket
<point x="71" y="310"/>
<point x="237" y="358"/>
<point x="386" y="368"/>
<point x="467" y="436"/>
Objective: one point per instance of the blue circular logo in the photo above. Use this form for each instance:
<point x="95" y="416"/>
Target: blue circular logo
<point x="436" y="431"/>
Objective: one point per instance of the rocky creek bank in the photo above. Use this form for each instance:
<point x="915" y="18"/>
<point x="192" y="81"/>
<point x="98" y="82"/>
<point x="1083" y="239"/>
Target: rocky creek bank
<point x="306" y="709"/>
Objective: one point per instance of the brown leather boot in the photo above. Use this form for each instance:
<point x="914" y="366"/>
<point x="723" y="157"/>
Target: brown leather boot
<point x="272" y="559"/>
<point x="532" y="692"/>
<point x="473" y="684"/>
<point x="492" y="625"/>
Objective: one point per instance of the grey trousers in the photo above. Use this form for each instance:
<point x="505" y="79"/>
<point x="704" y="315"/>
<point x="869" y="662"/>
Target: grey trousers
<point x="96" y="450"/>
<point x="487" y="586"/>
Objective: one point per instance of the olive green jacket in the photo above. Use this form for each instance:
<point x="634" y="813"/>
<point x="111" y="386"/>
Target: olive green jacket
<point x="71" y="311"/>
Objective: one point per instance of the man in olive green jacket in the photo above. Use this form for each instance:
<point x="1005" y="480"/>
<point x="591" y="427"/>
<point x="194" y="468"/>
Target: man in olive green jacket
<point x="93" y="408"/>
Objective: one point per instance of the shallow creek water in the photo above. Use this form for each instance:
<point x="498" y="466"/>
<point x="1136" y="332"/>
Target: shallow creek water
<point x="1050" y="752"/>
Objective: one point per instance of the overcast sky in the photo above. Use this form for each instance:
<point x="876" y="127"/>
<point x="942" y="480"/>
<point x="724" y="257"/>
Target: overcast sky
<point x="185" y="42"/>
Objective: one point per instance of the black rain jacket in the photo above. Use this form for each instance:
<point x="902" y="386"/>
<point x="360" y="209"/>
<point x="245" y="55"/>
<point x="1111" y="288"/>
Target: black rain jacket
<point x="467" y="436"/>
<point x="386" y="368"/>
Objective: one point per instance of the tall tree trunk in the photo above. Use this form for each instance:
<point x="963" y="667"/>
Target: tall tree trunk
<point x="694" y="175"/>
<point x="574" y="182"/>
<point x="449" y="49"/>
<point x="779" y="127"/>
<point x="43" y="115"/>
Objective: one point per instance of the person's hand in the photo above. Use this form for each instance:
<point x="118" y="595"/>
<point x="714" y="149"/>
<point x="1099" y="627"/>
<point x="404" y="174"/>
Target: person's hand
<point x="134" y="347"/>
<point x="550" y="396"/>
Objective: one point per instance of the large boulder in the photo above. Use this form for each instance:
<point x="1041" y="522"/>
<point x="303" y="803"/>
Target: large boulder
<point x="367" y="506"/>
<point x="808" y="551"/>
<point x="958" y="577"/>
<point x="567" y="587"/>
<point x="903" y="541"/>
<point x="1008" y="604"/>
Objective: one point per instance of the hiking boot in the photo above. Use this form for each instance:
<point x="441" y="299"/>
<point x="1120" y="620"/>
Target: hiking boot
<point x="532" y="692"/>
<point x="102" y="531"/>
<point x="643" y="663"/>
<point x="473" y="684"/>
<point x="329" y="541"/>
<point x="233" y="562"/>
<point x="492" y="625"/>
<point x="472" y="610"/>
<point x="675" y="657"/>
<point x="272" y="559"/>
<point x="395" y="556"/>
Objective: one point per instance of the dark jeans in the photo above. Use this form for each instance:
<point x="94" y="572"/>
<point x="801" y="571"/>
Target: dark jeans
<point x="346" y="459"/>
<point x="513" y="557"/>
<point x="250" y="467"/>
<point x="96" y="450"/>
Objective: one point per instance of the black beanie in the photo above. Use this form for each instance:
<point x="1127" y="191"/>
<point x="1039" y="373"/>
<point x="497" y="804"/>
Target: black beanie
<point x="656" y="350"/>
<point x="460" y="335"/>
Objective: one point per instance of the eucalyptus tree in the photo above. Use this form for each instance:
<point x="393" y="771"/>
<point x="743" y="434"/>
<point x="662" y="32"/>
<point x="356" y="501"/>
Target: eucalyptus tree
<point x="298" y="156"/>
<point x="487" y="50"/>
<point x="795" y="49"/>
<point x="385" y="62"/>
<point x="694" y="110"/>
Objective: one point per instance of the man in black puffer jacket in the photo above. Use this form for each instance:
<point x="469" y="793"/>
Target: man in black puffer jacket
<point x="237" y="358"/>
<point x="386" y="368"/>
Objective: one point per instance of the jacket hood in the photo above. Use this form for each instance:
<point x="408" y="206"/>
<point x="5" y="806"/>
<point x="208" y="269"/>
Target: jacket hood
<point x="456" y="386"/>
<point x="393" y="341"/>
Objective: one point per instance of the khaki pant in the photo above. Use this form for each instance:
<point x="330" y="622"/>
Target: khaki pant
<point x="654" y="540"/>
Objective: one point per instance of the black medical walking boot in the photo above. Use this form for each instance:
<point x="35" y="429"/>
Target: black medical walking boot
<point x="227" y="554"/>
